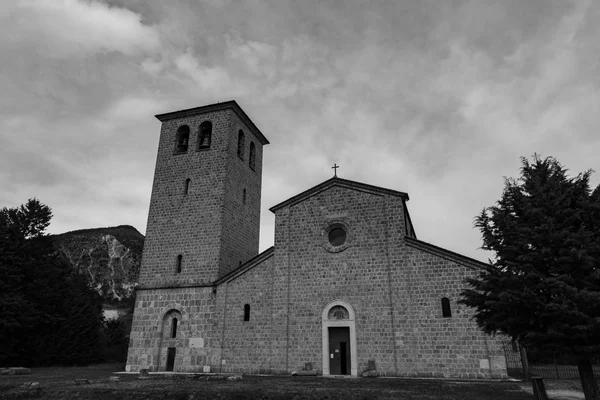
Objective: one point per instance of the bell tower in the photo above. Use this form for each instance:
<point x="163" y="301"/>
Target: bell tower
<point x="204" y="217"/>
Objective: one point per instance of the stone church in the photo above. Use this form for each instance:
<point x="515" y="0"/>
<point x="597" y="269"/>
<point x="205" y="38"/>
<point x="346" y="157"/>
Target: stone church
<point x="347" y="286"/>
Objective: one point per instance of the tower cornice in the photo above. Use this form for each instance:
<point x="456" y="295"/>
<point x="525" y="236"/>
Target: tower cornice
<point x="231" y="104"/>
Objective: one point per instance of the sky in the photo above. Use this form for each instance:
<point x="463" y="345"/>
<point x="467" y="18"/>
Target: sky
<point x="438" y="99"/>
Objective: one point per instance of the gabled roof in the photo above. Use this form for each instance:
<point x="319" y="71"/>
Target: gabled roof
<point x="216" y="107"/>
<point x="247" y="266"/>
<point x="335" y="181"/>
<point x="447" y="254"/>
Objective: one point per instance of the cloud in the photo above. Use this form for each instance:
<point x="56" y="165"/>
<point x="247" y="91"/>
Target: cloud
<point x="73" y="28"/>
<point x="254" y="58"/>
<point x="135" y="107"/>
<point x="209" y="79"/>
<point x="436" y="99"/>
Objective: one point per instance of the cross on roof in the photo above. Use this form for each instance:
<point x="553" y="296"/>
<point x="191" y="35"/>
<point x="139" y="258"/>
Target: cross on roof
<point x="335" y="167"/>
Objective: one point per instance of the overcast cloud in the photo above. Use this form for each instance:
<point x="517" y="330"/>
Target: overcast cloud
<point x="435" y="98"/>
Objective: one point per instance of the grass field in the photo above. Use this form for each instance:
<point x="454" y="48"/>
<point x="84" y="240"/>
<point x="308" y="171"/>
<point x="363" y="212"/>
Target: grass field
<point x="59" y="383"/>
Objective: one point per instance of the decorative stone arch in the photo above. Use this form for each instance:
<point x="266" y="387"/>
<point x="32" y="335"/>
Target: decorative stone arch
<point x="166" y="323"/>
<point x="163" y="327"/>
<point x="173" y="307"/>
<point x="345" y="321"/>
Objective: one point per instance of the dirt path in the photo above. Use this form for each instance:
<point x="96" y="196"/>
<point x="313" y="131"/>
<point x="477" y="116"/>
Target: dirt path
<point x="565" y="389"/>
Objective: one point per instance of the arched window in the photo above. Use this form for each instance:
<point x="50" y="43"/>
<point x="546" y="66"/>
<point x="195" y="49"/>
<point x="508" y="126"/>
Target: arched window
<point x="446" y="312"/>
<point x="186" y="189"/>
<point x="174" y="328"/>
<point x="204" y="135"/>
<point x="252" y="156"/>
<point x="182" y="139"/>
<point x="241" y="144"/>
<point x="247" y="312"/>
<point x="244" y="196"/>
<point x="170" y="324"/>
<point x="179" y="262"/>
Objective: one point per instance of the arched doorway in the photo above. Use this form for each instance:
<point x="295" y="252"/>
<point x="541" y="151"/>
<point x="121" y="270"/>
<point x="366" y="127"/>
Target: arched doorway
<point x="169" y="340"/>
<point x="339" y="339"/>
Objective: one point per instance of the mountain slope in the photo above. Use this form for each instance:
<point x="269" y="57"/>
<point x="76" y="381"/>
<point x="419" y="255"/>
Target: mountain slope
<point x="110" y="257"/>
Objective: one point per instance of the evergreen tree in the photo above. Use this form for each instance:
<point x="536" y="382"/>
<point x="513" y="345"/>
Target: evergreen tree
<point x="543" y="286"/>
<point x="48" y="314"/>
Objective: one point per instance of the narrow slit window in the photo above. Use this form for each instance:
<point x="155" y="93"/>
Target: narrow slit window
<point x="204" y="135"/>
<point x="252" y="156"/>
<point x="179" y="262"/>
<point x="186" y="189"/>
<point x="174" y="328"/>
<point x="446" y="312"/>
<point x="241" y="144"/>
<point x="247" y="312"/>
<point x="244" y="196"/>
<point x="182" y="139"/>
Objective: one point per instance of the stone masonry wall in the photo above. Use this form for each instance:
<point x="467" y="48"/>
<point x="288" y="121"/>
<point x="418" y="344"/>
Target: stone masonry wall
<point x="190" y="224"/>
<point x="314" y="276"/>
<point x="394" y="289"/>
<point x="241" y="222"/>
<point x="427" y="344"/>
<point x="247" y="344"/>
<point x="210" y="226"/>
<point x="196" y="343"/>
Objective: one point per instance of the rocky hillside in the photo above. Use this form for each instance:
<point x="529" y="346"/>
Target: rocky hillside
<point x="109" y="256"/>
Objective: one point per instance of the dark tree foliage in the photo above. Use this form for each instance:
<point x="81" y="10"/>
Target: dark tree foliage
<point x="48" y="314"/>
<point x="30" y="219"/>
<point x="116" y="340"/>
<point x="543" y="286"/>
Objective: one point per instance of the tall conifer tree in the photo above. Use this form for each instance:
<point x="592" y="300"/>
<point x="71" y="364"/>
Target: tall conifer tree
<point x="543" y="286"/>
<point x="48" y="314"/>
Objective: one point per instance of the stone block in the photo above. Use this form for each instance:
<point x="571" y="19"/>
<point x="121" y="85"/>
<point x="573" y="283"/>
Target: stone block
<point x="19" y="371"/>
<point x="216" y="377"/>
<point x="306" y="373"/>
<point x="370" y="374"/>
<point x="498" y="362"/>
<point x="30" y="385"/>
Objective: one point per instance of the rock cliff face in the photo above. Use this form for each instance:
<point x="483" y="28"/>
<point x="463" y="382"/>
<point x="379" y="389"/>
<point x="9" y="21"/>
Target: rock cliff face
<point x="110" y="257"/>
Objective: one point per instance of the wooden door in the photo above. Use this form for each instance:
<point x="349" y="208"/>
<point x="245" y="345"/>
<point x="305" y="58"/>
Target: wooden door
<point x="339" y="351"/>
<point x="170" y="358"/>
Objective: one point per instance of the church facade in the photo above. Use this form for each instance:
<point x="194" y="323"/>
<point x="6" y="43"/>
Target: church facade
<point x="347" y="286"/>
